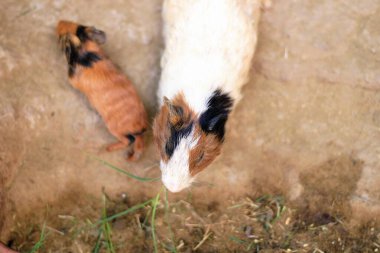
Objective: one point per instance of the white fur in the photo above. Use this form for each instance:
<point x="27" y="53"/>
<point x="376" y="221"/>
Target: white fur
<point x="175" y="173"/>
<point x="209" y="45"/>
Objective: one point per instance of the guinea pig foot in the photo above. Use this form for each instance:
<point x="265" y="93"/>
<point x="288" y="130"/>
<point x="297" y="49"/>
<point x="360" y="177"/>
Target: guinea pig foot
<point x="133" y="156"/>
<point x="116" y="146"/>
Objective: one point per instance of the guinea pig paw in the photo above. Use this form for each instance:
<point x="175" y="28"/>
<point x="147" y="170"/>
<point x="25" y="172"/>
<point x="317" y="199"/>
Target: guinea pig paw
<point x="133" y="156"/>
<point x="115" y="146"/>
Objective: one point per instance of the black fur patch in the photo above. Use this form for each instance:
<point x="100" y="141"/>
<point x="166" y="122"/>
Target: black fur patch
<point x="213" y="120"/>
<point x="131" y="138"/>
<point x="87" y="59"/>
<point x="74" y="57"/>
<point x="175" y="138"/>
<point x="81" y="33"/>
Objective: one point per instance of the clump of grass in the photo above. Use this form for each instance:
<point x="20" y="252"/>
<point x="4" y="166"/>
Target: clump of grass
<point x="267" y="209"/>
<point x="41" y="241"/>
<point x="248" y="243"/>
<point x="273" y="207"/>
<point x="263" y="212"/>
<point x="104" y="231"/>
<point x="106" y="228"/>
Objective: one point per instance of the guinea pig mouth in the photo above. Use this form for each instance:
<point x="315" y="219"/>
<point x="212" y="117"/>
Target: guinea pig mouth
<point x="174" y="185"/>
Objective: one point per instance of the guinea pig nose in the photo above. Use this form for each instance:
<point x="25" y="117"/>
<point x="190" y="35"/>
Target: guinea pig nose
<point x="172" y="185"/>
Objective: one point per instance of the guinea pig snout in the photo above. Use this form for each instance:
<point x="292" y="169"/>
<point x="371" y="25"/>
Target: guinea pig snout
<point x="174" y="185"/>
<point x="65" y="27"/>
<point x="175" y="178"/>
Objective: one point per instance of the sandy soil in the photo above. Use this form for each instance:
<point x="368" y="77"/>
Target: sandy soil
<point x="307" y="130"/>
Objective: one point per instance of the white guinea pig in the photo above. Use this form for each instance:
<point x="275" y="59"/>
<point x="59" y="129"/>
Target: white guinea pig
<point x="209" y="45"/>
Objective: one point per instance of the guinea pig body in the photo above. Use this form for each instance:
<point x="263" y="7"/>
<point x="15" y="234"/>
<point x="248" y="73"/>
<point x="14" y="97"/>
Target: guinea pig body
<point x="208" y="51"/>
<point x="109" y="91"/>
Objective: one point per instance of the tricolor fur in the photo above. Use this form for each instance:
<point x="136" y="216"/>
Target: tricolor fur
<point x="208" y="51"/>
<point x="109" y="91"/>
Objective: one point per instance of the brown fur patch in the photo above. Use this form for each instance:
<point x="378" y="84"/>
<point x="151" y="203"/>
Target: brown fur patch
<point x="207" y="149"/>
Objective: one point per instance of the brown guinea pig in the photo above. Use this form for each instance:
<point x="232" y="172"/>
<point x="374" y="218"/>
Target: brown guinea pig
<point x="109" y="91"/>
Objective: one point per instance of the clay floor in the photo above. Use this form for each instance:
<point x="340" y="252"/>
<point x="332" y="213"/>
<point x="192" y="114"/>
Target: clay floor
<point x="306" y="136"/>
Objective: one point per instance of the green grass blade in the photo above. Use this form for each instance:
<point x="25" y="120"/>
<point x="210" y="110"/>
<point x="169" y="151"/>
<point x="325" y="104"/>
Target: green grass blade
<point x="154" y="208"/>
<point x="138" y="178"/>
<point x="238" y="240"/>
<point x="107" y="228"/>
<point x="166" y="202"/>
<point x="41" y="241"/>
<point x="129" y="210"/>
<point x="107" y="232"/>
<point x="146" y="218"/>
<point x="98" y="242"/>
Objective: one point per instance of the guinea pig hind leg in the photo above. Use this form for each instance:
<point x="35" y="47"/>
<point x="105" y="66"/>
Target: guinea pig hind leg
<point x="137" y="149"/>
<point x="117" y="146"/>
<point x="124" y="142"/>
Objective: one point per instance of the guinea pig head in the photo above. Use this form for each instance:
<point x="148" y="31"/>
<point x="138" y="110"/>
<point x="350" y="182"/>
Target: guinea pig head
<point x="188" y="142"/>
<point x="80" y="33"/>
<point x="80" y="44"/>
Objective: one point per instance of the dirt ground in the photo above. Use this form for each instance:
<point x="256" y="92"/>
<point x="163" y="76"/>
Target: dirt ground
<point x="300" y="168"/>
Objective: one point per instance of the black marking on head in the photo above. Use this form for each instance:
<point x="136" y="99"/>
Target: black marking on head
<point x="213" y="120"/>
<point x="85" y="33"/>
<point x="88" y="58"/>
<point x="175" y="137"/>
<point x="131" y="138"/>
<point x="82" y="34"/>
<point x="74" y="57"/>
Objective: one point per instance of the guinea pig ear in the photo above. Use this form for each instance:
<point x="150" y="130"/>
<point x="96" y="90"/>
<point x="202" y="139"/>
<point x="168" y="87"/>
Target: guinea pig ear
<point x="216" y="122"/>
<point x="175" y="113"/>
<point x="96" y="35"/>
<point x="213" y="123"/>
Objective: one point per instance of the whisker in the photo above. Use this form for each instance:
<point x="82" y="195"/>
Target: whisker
<point x="152" y="166"/>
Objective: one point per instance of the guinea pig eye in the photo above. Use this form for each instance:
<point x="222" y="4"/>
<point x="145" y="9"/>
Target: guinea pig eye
<point x="200" y="157"/>
<point x="169" y="148"/>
